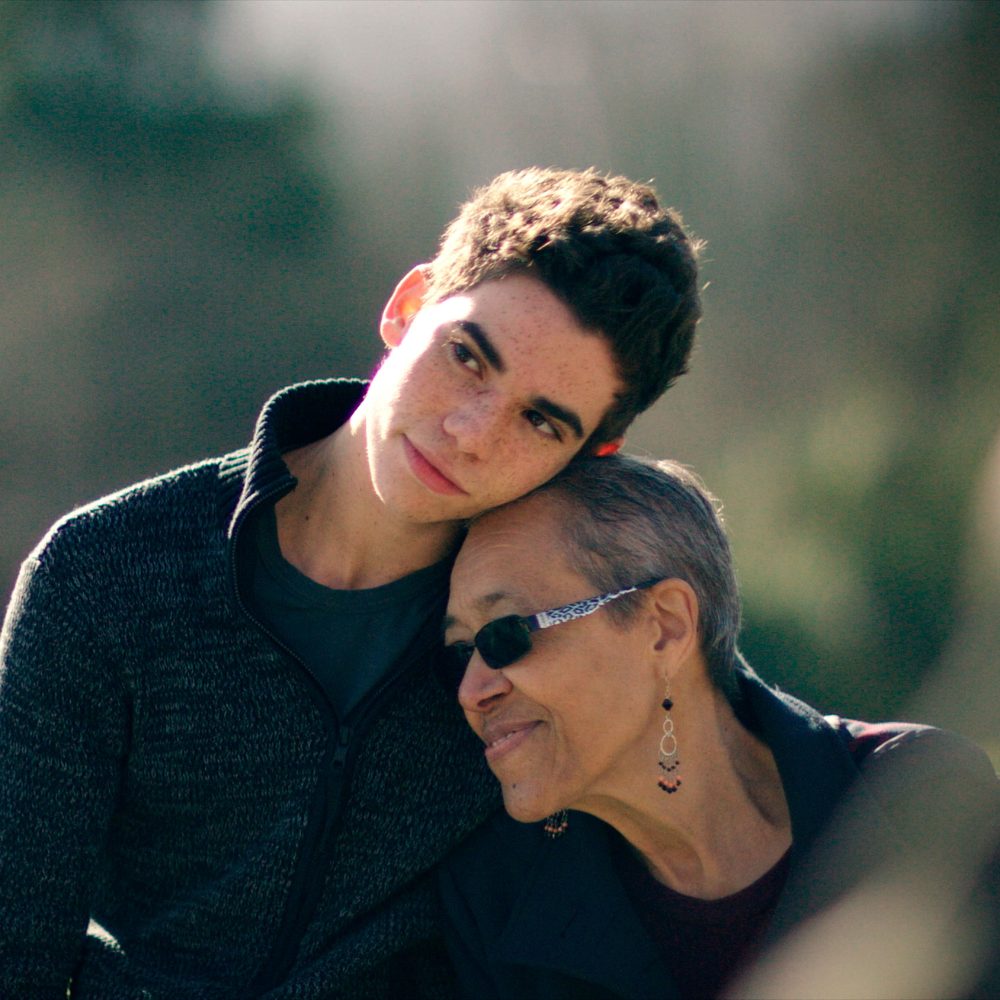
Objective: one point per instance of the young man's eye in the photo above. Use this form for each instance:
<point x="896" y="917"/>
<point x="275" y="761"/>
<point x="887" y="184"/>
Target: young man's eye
<point x="464" y="356"/>
<point x="542" y="424"/>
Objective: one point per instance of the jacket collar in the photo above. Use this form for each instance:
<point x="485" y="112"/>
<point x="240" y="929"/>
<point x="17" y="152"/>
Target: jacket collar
<point x="292" y="417"/>
<point x="813" y="762"/>
<point x="841" y="830"/>
<point x="574" y="917"/>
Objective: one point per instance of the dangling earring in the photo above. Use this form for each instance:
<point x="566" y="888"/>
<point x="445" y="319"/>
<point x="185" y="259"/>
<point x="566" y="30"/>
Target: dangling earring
<point x="557" y="824"/>
<point x="669" y="780"/>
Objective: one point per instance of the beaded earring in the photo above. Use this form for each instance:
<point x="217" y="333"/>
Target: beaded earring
<point x="557" y="824"/>
<point x="669" y="781"/>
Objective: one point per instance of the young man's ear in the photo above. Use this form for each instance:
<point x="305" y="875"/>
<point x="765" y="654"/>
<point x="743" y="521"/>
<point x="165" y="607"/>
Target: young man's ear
<point x="608" y="448"/>
<point x="404" y="303"/>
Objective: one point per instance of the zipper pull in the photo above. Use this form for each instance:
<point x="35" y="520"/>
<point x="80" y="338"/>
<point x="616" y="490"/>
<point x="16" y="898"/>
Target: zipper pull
<point x="343" y="745"/>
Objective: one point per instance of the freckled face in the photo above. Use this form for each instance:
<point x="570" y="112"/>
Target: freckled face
<point x="570" y="723"/>
<point x="488" y="394"/>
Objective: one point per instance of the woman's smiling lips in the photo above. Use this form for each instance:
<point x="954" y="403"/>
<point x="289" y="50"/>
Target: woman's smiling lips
<point x="502" y="739"/>
<point x="428" y="473"/>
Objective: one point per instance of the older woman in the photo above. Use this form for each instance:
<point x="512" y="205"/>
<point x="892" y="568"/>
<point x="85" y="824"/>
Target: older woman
<point x="592" y="632"/>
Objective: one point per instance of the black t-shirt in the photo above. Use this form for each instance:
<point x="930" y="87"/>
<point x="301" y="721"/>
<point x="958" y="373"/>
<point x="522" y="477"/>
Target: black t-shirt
<point x="349" y="639"/>
<point x="704" y="942"/>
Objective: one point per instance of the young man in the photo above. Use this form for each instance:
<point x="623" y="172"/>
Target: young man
<point x="221" y="740"/>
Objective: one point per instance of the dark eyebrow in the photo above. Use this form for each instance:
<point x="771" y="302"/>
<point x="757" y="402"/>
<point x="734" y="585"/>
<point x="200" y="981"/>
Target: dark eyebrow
<point x="544" y="405"/>
<point x="560" y="413"/>
<point x="485" y="345"/>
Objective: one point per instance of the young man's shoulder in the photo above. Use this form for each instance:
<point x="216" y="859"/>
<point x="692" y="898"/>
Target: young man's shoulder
<point x="205" y="492"/>
<point x="158" y="497"/>
<point x="172" y="502"/>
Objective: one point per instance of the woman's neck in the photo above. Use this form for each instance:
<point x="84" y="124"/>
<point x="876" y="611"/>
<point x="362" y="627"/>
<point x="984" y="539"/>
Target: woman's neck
<point x="728" y="822"/>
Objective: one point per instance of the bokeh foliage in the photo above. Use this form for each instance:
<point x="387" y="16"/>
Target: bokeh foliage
<point x="173" y="250"/>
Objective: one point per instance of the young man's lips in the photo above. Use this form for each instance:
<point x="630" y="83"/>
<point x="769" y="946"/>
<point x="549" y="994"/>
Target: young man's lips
<point x="428" y="473"/>
<point x="503" y="739"/>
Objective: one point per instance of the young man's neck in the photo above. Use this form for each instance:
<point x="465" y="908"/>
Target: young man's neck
<point x="333" y="528"/>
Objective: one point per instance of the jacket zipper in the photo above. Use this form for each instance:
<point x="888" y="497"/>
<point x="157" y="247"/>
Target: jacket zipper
<point x="285" y="942"/>
<point x="315" y="848"/>
<point x="309" y="879"/>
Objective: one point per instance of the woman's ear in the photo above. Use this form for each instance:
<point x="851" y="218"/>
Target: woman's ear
<point x="405" y="302"/>
<point x="675" y="607"/>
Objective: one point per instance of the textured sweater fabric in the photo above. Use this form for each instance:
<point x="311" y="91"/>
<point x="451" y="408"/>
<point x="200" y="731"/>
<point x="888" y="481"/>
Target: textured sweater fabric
<point x="169" y="772"/>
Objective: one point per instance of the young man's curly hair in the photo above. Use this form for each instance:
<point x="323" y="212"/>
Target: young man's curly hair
<point x="604" y="245"/>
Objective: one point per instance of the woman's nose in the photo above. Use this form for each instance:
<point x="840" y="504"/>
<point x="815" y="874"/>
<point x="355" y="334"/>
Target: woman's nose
<point x="482" y="687"/>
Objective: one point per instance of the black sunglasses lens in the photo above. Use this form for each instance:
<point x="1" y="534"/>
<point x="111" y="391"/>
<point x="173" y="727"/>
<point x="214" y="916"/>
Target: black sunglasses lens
<point x="503" y="641"/>
<point x="452" y="663"/>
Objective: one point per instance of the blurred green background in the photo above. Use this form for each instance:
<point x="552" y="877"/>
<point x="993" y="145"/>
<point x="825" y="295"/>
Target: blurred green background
<point x="201" y="202"/>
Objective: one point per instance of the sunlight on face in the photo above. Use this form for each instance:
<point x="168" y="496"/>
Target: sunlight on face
<point x="487" y="395"/>
<point x="570" y="719"/>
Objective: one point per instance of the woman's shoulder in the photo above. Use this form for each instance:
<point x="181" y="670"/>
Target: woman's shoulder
<point x="938" y="787"/>
<point x="878" y="747"/>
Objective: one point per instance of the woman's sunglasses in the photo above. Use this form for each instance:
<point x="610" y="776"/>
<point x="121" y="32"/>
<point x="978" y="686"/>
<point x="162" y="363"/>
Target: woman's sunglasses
<point x="504" y="641"/>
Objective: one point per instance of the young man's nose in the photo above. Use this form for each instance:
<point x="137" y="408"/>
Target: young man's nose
<point x="475" y="426"/>
<point x="482" y="688"/>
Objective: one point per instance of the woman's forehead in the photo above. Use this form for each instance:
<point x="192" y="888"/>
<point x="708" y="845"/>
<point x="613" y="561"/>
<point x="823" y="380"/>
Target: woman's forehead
<point x="513" y="555"/>
<point x="511" y="539"/>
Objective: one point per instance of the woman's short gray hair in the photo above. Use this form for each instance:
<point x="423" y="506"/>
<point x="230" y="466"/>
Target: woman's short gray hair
<point x="628" y="519"/>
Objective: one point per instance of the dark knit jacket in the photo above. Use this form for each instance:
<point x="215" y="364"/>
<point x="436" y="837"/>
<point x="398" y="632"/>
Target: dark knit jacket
<point x="173" y="774"/>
